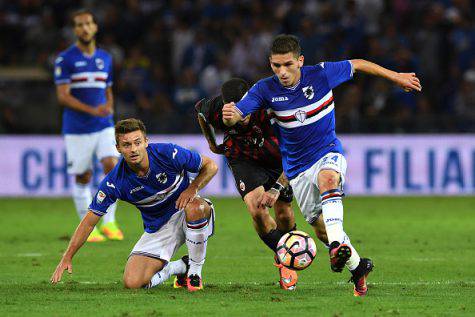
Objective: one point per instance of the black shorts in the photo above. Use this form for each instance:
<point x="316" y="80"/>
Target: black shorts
<point x="249" y="175"/>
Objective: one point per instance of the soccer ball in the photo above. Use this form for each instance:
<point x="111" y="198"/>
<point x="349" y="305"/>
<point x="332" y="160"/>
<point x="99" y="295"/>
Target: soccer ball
<point x="296" y="250"/>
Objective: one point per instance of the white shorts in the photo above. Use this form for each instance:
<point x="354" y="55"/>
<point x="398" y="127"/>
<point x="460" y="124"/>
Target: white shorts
<point x="305" y="185"/>
<point x="164" y="243"/>
<point x="80" y="149"/>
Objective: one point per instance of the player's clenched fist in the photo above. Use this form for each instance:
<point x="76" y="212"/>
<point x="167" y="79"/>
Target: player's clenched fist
<point x="229" y="113"/>
<point x="64" y="265"/>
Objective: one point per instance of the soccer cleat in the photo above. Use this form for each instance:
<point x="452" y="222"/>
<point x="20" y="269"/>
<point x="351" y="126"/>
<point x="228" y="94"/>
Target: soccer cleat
<point x="112" y="231"/>
<point x="96" y="236"/>
<point x="339" y="254"/>
<point x="359" y="277"/>
<point x="194" y="283"/>
<point x="180" y="279"/>
<point x="287" y="277"/>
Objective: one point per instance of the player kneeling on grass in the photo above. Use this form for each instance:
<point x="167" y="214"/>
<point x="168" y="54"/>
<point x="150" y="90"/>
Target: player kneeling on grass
<point x="252" y="153"/>
<point x="154" y="178"/>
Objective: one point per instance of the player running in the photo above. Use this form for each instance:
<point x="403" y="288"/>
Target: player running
<point x="301" y="101"/>
<point x="252" y="153"/>
<point x="83" y="78"/>
<point x="154" y="178"/>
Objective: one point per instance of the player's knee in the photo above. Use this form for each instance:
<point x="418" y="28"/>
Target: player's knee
<point x="133" y="282"/>
<point x="328" y="180"/>
<point x="84" y="178"/>
<point x="196" y="210"/>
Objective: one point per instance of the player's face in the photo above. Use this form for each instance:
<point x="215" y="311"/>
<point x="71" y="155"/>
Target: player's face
<point x="133" y="147"/>
<point x="286" y="67"/>
<point x="85" y="28"/>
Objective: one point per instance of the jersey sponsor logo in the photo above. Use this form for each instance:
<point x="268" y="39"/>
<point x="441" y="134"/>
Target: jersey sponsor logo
<point x="162" y="177"/>
<point x="308" y="92"/>
<point x="110" y="185"/>
<point x="100" y="197"/>
<point x="277" y="99"/>
<point x="99" y="63"/>
<point x="80" y="64"/>
<point x="175" y="151"/>
<point x="57" y="71"/>
<point x="136" y="189"/>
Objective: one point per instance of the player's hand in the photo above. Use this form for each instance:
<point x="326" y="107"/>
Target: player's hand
<point x="269" y="198"/>
<point x="408" y="81"/>
<point x="186" y="197"/>
<point x="64" y="264"/>
<point x="101" y="111"/>
<point x="229" y="113"/>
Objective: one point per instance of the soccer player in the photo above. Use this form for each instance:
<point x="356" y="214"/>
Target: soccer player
<point x="83" y="78"/>
<point x="301" y="101"/>
<point x="252" y="153"/>
<point x="154" y="178"/>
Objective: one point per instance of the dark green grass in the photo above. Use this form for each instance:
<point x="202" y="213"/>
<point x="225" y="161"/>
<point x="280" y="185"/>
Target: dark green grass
<point x="423" y="250"/>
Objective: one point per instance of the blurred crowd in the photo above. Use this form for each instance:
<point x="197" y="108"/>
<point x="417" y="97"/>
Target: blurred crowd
<point x="169" y="54"/>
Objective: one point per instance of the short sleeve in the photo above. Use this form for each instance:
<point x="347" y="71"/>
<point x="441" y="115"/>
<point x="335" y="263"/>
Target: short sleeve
<point x="184" y="159"/>
<point x="252" y="101"/>
<point x="337" y="72"/>
<point x="62" y="71"/>
<point x="106" y="195"/>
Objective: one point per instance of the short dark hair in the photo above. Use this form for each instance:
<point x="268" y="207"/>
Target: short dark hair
<point x="127" y="126"/>
<point x="233" y="89"/>
<point x="285" y="43"/>
<point x="81" y="12"/>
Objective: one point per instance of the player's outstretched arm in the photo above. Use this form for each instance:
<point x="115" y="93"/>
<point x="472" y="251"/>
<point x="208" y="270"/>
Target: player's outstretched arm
<point x="231" y="116"/>
<point x="407" y="81"/>
<point x="206" y="173"/>
<point x="208" y="132"/>
<point x="66" y="99"/>
<point x="83" y="230"/>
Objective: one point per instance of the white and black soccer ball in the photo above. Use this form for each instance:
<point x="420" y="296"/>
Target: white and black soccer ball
<point x="296" y="250"/>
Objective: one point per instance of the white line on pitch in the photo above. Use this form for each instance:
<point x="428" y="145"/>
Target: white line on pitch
<point x="32" y="254"/>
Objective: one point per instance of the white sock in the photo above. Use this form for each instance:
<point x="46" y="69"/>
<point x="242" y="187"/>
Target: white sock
<point x="172" y="268"/>
<point x="196" y="241"/>
<point x="332" y="212"/>
<point x="354" y="259"/>
<point x="82" y="198"/>
<point x="110" y="215"/>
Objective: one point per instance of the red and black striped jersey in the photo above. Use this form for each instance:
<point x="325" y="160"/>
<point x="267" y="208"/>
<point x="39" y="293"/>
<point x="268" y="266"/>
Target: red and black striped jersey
<point x="255" y="141"/>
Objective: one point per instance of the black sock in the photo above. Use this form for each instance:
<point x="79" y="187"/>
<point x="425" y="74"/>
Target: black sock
<point x="272" y="238"/>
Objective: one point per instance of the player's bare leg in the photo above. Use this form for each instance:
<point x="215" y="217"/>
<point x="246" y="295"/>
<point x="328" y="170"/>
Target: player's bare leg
<point x="197" y="214"/>
<point x="341" y="250"/>
<point x="142" y="271"/>
<point x="109" y="225"/>
<point x="82" y="198"/>
<point x="284" y="216"/>
<point x="266" y="228"/>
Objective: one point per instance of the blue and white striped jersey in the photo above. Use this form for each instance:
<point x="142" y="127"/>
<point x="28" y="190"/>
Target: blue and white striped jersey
<point x="304" y="114"/>
<point x="88" y="77"/>
<point x="154" y="194"/>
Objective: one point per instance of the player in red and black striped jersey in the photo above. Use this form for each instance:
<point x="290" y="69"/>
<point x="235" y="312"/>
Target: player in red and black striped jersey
<point x="252" y="153"/>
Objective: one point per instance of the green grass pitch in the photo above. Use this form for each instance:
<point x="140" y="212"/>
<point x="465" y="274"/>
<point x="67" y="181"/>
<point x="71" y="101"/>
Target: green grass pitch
<point x="423" y="250"/>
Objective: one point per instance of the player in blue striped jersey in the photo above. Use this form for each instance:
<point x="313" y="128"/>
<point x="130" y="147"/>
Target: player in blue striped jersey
<point x="154" y="178"/>
<point x="300" y="98"/>
<point x="83" y="78"/>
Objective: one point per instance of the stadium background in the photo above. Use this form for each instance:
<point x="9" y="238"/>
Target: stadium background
<point x="167" y="55"/>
